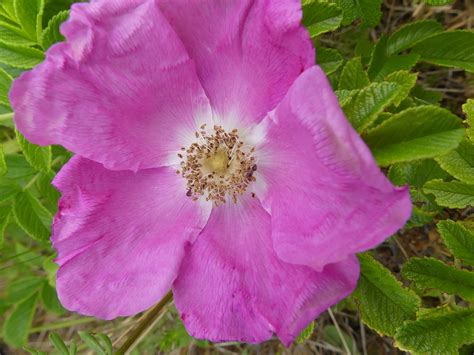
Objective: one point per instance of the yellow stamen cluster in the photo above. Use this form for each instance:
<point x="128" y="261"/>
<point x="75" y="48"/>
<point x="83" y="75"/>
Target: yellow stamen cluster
<point x="217" y="166"/>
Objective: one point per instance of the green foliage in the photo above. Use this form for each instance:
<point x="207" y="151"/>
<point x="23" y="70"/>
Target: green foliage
<point x="452" y="194"/>
<point x="22" y="289"/>
<point x="306" y="333"/>
<point x="416" y="173"/>
<point x="329" y="59"/>
<point x="410" y="34"/>
<point x="100" y="343"/>
<point x="32" y="216"/>
<point x="19" y="56"/>
<point x="3" y="163"/>
<point x="384" y="304"/>
<point x="437" y="334"/>
<point x="367" y="10"/>
<point x="460" y="162"/>
<point x="368" y="103"/>
<point x="29" y="15"/>
<point x="458" y="239"/>
<point x="450" y="49"/>
<point x="416" y="133"/>
<point x="38" y="157"/>
<point x="51" y="34"/>
<point x="5" y="83"/>
<point x="429" y="273"/>
<point x="353" y="76"/>
<point x="15" y="329"/>
<point x="405" y="80"/>
<point x="321" y="17"/>
<point x="468" y="109"/>
<point x="438" y="2"/>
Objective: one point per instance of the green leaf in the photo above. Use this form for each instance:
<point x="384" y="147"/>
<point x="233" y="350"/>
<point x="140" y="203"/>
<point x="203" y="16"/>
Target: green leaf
<point x="449" y="49"/>
<point x="468" y="109"/>
<point x="17" y="325"/>
<point x="458" y="239"/>
<point x="8" y="189"/>
<point x="52" y="34"/>
<point x="416" y="173"/>
<point x="50" y="299"/>
<point x="19" y="56"/>
<point x="345" y="96"/>
<point x="18" y="167"/>
<point x="419" y="218"/>
<point x="14" y="35"/>
<point x="48" y="191"/>
<point x="5" y="212"/>
<point x="29" y="14"/>
<point x="320" y="17"/>
<point x="438" y="2"/>
<point x="369" y="102"/>
<point x="329" y="59"/>
<point x="381" y="64"/>
<point x="22" y="289"/>
<point x="38" y="157"/>
<point x="106" y="343"/>
<point x="429" y="273"/>
<point x="396" y="63"/>
<point x="92" y="343"/>
<point x="442" y="334"/>
<point x="332" y="336"/>
<point x="410" y="34"/>
<point x="406" y="81"/>
<point x="59" y="344"/>
<point x="368" y="10"/>
<point x="353" y="76"/>
<point x="416" y="133"/>
<point x="32" y="216"/>
<point x="3" y="163"/>
<point x="8" y="6"/>
<point x="5" y="84"/>
<point x="453" y="194"/>
<point x="51" y="269"/>
<point x="383" y="302"/>
<point x="34" y="351"/>
<point x="460" y="162"/>
<point x="305" y="334"/>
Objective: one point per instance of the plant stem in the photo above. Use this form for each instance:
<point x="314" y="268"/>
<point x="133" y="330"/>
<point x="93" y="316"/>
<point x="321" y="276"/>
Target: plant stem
<point x="6" y="116"/>
<point x="339" y="332"/>
<point x="61" y="325"/>
<point x="145" y="325"/>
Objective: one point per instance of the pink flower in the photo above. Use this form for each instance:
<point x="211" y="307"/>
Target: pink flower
<point x="212" y="158"/>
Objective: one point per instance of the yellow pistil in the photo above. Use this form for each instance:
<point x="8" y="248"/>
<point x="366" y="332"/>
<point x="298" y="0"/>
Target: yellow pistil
<point x="217" y="166"/>
<point x="218" y="163"/>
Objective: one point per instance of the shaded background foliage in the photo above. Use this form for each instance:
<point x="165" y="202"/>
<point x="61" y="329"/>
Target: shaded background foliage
<point x="402" y="72"/>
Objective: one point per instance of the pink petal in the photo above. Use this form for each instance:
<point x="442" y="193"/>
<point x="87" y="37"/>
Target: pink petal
<point x="232" y="285"/>
<point x="326" y="195"/>
<point x="247" y="52"/>
<point x="120" y="236"/>
<point x="120" y="91"/>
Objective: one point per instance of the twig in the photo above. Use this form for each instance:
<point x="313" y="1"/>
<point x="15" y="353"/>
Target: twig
<point x="144" y="326"/>
<point x="346" y="347"/>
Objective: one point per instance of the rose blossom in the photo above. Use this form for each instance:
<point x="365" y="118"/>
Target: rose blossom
<point x="212" y="157"/>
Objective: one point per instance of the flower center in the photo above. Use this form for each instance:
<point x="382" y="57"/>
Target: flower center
<point x="218" y="166"/>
